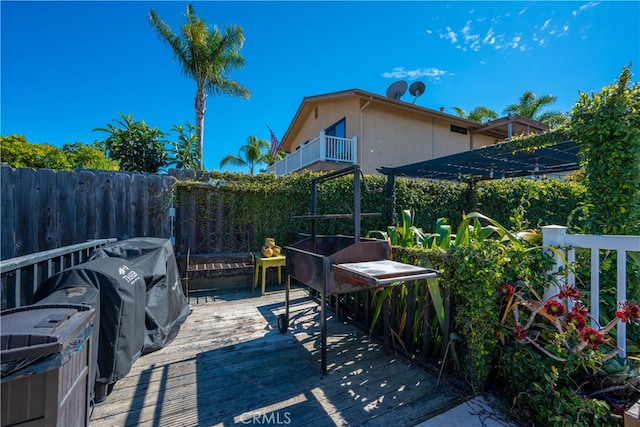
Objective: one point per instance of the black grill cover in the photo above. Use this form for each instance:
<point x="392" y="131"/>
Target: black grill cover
<point x="166" y="305"/>
<point x="116" y="289"/>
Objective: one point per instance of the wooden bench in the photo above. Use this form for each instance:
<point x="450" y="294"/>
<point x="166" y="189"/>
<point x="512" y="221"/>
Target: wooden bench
<point x="215" y="266"/>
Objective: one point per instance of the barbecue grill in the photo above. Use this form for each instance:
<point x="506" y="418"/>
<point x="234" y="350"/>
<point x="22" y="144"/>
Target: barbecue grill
<point x="334" y="265"/>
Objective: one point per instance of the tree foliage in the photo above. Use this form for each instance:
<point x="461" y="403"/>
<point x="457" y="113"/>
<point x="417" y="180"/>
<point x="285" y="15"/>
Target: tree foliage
<point x="17" y="152"/>
<point x="530" y="105"/>
<point x="85" y="156"/>
<point x="183" y="153"/>
<point x="478" y="114"/>
<point x="280" y="154"/>
<point x="607" y="126"/>
<point x="207" y="56"/>
<point x="136" y="146"/>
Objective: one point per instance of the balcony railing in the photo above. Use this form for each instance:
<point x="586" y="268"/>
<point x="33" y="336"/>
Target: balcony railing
<point x="324" y="148"/>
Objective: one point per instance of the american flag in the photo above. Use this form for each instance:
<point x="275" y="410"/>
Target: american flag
<point x="274" y="143"/>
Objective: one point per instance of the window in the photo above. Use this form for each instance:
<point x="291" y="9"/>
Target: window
<point x="304" y="143"/>
<point x="337" y="129"/>
<point x="458" y="129"/>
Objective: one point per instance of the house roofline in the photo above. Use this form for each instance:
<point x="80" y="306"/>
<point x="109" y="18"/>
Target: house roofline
<point x="490" y="128"/>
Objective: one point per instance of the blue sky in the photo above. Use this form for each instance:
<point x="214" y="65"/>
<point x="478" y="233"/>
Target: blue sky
<point x="69" y="67"/>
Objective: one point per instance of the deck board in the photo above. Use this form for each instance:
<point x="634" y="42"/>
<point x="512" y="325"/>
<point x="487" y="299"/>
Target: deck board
<point x="229" y="365"/>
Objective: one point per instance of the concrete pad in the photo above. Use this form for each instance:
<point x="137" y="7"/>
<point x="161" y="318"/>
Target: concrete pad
<point x="475" y="412"/>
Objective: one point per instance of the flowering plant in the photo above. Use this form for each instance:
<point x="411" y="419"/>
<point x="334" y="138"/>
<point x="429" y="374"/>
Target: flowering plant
<point x="565" y="313"/>
<point x="581" y="364"/>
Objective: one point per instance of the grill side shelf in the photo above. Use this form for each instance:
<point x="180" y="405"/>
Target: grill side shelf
<point x="357" y="278"/>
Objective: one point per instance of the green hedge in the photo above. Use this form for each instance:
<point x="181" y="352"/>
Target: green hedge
<point x="543" y="202"/>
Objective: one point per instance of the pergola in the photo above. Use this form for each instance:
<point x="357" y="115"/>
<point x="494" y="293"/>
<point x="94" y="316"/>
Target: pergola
<point x="505" y="160"/>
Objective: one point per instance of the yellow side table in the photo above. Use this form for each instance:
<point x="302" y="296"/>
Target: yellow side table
<point x="264" y="263"/>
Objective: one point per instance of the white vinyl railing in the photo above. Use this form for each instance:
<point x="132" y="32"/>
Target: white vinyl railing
<point x="322" y="148"/>
<point x="556" y="235"/>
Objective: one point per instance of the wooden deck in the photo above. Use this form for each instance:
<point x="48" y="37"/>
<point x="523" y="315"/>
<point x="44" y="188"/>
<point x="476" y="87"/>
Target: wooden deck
<point x="229" y="366"/>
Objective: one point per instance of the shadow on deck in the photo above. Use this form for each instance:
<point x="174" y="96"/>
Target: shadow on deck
<point x="229" y="366"/>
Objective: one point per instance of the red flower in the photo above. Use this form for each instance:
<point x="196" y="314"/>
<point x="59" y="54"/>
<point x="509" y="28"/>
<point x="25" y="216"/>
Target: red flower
<point x="580" y="310"/>
<point x="554" y="308"/>
<point x="507" y="290"/>
<point x="519" y="332"/>
<point x="629" y="312"/>
<point x="592" y="337"/>
<point x="576" y="319"/>
<point x="570" y="292"/>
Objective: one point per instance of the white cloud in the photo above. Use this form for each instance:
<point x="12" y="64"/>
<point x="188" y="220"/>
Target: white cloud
<point x="489" y="38"/>
<point x="585" y="7"/>
<point x="451" y="35"/>
<point x="466" y="28"/>
<point x="484" y="32"/>
<point x="401" y="73"/>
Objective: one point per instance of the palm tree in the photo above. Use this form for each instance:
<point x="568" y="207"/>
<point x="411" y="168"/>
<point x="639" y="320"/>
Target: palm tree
<point x="529" y="105"/>
<point x="478" y="114"/>
<point x="251" y="154"/>
<point x="280" y="154"/>
<point x="207" y="56"/>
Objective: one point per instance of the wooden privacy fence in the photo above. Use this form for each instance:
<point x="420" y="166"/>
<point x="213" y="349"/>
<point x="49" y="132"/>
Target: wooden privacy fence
<point x="44" y="209"/>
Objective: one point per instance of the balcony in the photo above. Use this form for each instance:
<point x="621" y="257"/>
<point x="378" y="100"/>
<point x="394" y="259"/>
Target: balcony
<point x="324" y="148"/>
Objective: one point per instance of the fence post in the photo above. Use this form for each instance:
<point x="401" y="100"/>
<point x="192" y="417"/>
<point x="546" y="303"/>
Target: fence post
<point x="553" y="235"/>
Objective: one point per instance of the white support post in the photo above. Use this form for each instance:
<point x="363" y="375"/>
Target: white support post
<point x="323" y="146"/>
<point x="595" y="288"/>
<point x="553" y="235"/>
<point x="621" y="327"/>
<point x="354" y="150"/>
<point x="571" y="275"/>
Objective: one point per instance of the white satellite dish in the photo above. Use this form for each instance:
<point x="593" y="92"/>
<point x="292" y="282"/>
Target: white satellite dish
<point x="416" y="89"/>
<point x="397" y="89"/>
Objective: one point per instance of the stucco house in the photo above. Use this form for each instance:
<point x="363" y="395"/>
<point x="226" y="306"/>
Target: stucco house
<point x="333" y="130"/>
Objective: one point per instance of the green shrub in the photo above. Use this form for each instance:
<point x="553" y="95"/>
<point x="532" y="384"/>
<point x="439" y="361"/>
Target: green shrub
<point x="540" y="391"/>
